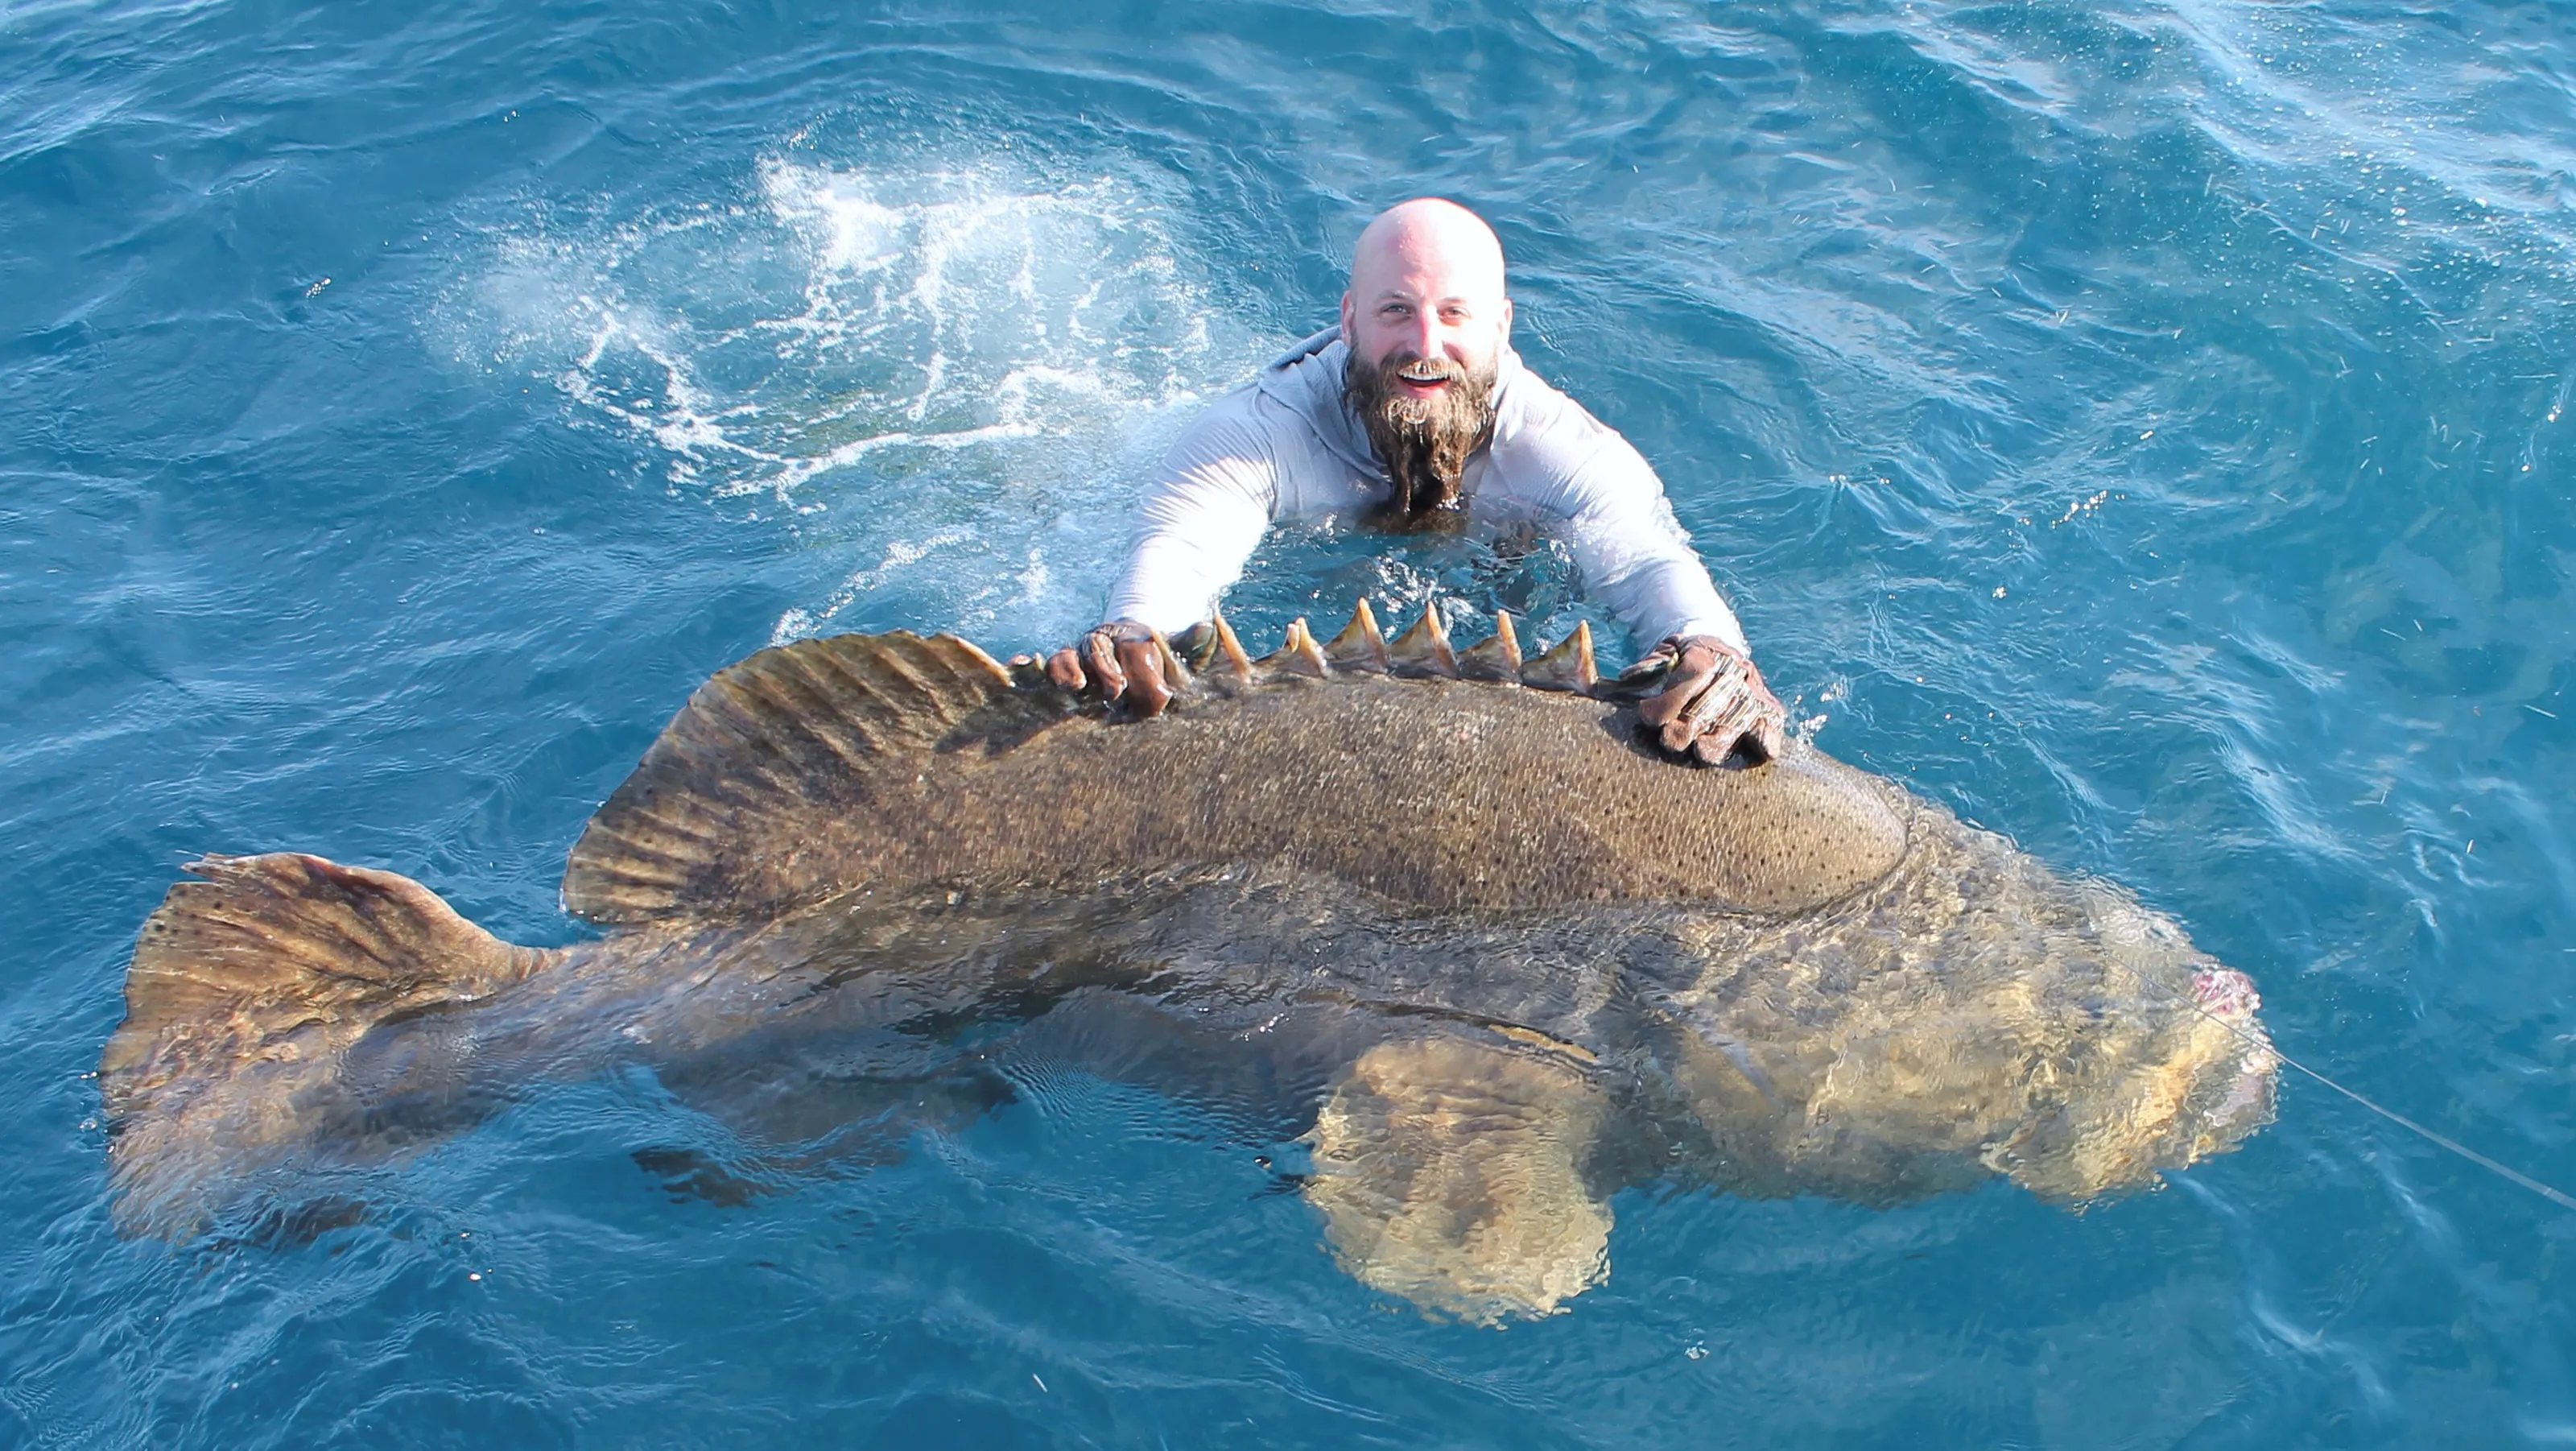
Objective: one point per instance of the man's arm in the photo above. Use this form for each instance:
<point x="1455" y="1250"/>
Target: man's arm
<point x="1208" y="507"/>
<point x="1635" y="560"/>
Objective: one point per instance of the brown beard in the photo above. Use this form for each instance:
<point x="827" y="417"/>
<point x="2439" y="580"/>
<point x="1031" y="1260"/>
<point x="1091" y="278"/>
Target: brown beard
<point x="1423" y="443"/>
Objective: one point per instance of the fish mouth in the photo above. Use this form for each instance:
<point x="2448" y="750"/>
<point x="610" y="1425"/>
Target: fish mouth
<point x="2225" y="993"/>
<point x="2251" y="1074"/>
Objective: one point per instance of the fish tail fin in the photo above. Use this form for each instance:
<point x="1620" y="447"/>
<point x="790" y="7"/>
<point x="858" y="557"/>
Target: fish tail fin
<point x="247" y="989"/>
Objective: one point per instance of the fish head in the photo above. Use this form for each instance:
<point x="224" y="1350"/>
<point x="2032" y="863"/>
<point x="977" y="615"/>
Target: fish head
<point x="2179" y="1068"/>
<point x="1974" y="1014"/>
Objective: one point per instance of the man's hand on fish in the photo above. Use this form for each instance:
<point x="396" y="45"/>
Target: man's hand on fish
<point x="1121" y="661"/>
<point x="1713" y="702"/>
<point x="1708" y="698"/>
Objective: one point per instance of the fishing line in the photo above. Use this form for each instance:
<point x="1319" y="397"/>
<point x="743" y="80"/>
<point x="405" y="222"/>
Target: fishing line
<point x="2555" y="1196"/>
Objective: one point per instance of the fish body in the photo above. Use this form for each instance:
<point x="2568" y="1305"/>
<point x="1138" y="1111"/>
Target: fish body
<point x="1488" y="952"/>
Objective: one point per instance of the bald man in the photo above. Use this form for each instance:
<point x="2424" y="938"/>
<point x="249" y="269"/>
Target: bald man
<point x="1414" y="414"/>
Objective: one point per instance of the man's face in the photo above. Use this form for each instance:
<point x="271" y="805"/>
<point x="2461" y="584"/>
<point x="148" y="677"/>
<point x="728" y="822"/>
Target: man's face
<point x="1424" y="317"/>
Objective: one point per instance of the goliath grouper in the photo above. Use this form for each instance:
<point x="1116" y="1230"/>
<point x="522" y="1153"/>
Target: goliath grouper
<point x="1450" y="914"/>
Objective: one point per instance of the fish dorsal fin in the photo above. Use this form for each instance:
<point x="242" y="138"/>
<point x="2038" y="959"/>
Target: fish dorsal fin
<point x="740" y="802"/>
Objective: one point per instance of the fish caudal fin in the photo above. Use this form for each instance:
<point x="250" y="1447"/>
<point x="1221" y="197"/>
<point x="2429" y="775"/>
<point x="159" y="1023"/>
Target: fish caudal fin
<point x="247" y="989"/>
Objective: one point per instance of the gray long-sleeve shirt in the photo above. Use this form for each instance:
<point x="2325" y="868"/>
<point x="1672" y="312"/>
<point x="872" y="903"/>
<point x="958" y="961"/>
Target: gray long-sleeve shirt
<point x="1287" y="446"/>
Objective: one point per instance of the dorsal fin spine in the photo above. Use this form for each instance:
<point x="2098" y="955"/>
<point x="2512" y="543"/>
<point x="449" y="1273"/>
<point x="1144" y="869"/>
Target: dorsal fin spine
<point x="1359" y="646"/>
<point x="1297" y="655"/>
<point x="1498" y="657"/>
<point x="1568" y="667"/>
<point x="1229" y="658"/>
<point x="1424" y="649"/>
<point x="1308" y="655"/>
<point x="985" y="670"/>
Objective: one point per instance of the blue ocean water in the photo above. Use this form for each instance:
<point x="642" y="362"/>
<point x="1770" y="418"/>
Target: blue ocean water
<point x="2139" y="426"/>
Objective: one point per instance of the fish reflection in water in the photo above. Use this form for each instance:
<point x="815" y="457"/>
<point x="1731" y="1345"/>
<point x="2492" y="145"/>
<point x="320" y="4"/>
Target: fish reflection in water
<point x="1487" y="957"/>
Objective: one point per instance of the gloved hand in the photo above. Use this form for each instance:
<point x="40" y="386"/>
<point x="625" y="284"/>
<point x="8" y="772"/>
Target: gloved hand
<point x="1712" y="701"/>
<point x="1121" y="661"/>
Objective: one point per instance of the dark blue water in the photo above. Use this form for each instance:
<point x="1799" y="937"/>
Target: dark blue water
<point x="2139" y="426"/>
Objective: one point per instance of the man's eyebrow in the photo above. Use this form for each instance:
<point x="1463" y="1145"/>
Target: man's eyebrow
<point x="1398" y="294"/>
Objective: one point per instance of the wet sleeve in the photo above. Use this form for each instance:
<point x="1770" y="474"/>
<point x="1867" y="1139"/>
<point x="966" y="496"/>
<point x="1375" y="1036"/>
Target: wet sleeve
<point x="1208" y="507"/>
<point x="1634" y="558"/>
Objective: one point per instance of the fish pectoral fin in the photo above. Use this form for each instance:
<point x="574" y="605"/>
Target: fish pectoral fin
<point x="1450" y="1171"/>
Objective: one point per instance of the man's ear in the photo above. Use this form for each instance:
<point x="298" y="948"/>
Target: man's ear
<point x="1349" y="334"/>
<point x="1507" y="319"/>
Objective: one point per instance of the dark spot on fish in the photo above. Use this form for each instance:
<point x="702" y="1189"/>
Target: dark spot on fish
<point x="295" y="1226"/>
<point x="686" y="1174"/>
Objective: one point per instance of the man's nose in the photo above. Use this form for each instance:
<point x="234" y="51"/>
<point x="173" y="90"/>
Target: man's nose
<point x="1424" y="336"/>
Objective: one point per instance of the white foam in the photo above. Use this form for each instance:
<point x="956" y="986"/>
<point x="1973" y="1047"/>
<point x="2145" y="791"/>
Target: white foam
<point x="987" y="359"/>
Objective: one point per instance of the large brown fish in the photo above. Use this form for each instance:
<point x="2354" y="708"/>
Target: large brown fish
<point x="1489" y="953"/>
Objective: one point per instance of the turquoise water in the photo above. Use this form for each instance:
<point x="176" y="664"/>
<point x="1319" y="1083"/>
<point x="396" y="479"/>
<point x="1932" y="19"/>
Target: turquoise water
<point x="2139" y="426"/>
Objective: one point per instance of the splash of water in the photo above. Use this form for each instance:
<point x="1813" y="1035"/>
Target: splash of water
<point x="986" y="359"/>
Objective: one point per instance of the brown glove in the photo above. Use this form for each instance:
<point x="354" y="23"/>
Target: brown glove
<point x="1121" y="662"/>
<point x="1712" y="702"/>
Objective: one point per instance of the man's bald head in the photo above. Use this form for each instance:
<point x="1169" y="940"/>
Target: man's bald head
<point x="1427" y="272"/>
<point x="1426" y="320"/>
<point x="1429" y="234"/>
